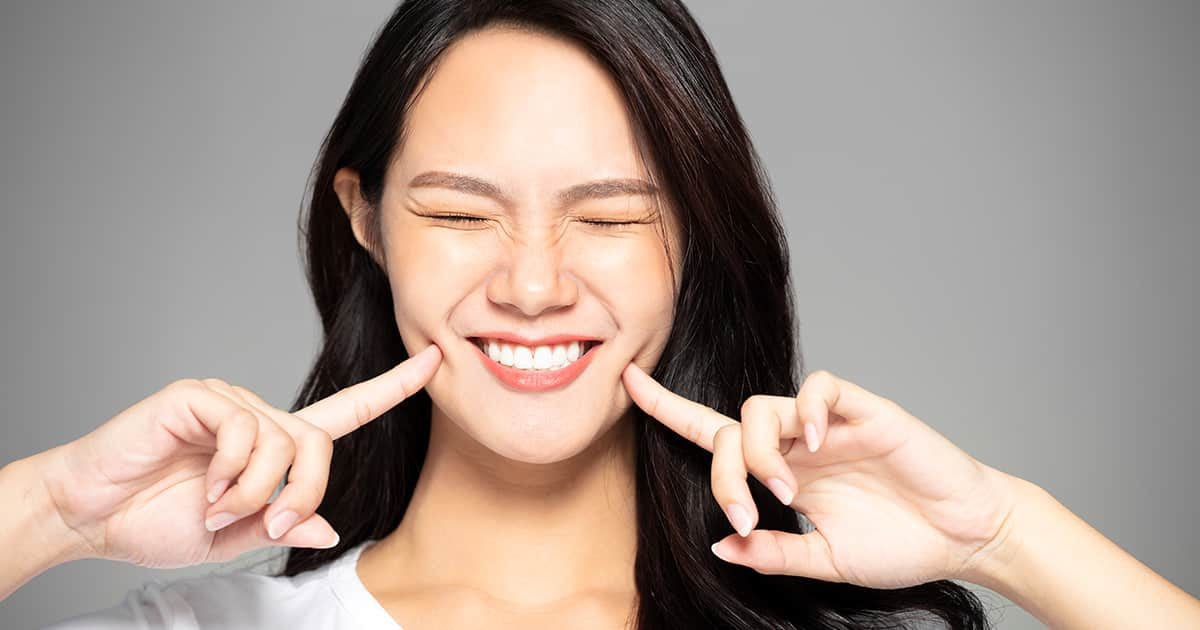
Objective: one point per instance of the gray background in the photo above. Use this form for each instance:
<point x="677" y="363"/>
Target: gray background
<point x="992" y="211"/>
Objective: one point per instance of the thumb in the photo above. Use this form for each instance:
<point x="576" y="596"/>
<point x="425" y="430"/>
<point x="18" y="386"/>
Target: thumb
<point x="249" y="533"/>
<point x="775" y="552"/>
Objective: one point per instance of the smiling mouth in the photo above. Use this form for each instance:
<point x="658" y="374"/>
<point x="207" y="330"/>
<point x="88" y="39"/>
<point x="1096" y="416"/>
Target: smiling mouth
<point x="545" y="358"/>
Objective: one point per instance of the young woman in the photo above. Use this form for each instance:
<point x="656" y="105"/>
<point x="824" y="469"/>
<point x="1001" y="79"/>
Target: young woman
<point x="559" y="364"/>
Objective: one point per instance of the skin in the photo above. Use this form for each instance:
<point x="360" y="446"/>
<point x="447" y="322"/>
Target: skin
<point x="894" y="503"/>
<point x="524" y="510"/>
<point x="523" y="516"/>
<point x="133" y="490"/>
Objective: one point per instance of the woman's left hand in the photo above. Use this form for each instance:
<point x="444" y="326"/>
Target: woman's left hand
<point x="893" y="502"/>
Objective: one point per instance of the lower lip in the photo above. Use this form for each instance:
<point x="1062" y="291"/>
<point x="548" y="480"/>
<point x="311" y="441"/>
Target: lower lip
<point x="536" y="380"/>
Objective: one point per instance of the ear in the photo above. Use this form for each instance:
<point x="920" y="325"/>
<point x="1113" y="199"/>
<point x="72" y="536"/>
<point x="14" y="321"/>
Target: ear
<point x="346" y="185"/>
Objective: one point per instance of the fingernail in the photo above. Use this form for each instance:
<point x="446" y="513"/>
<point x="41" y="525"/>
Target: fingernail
<point x="740" y="519"/>
<point x="280" y="523"/>
<point x="219" y="520"/>
<point x="718" y="553"/>
<point x="336" y="540"/>
<point x="217" y="489"/>
<point x="781" y="490"/>
<point x="810" y="436"/>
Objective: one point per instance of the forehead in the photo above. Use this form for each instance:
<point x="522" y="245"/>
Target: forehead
<point x="531" y="110"/>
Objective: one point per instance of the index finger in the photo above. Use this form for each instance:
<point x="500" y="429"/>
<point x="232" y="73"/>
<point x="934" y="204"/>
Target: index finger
<point x="688" y="418"/>
<point x="354" y="406"/>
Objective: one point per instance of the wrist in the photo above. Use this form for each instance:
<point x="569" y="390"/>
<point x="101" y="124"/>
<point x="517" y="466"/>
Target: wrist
<point x="996" y="564"/>
<point x="1067" y="574"/>
<point x="33" y="524"/>
<point x="36" y="477"/>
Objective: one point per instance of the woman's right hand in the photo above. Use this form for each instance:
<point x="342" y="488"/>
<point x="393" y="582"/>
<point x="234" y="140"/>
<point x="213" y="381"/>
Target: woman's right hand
<point x="140" y="488"/>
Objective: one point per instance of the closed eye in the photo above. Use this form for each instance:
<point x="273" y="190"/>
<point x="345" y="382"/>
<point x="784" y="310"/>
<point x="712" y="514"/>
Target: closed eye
<point x="457" y="218"/>
<point x="607" y="223"/>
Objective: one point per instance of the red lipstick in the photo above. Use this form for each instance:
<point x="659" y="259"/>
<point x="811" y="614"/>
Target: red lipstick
<point x="535" y="380"/>
<point x="531" y="343"/>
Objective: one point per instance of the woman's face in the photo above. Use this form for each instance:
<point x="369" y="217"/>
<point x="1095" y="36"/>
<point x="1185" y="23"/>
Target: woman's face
<point x="533" y="117"/>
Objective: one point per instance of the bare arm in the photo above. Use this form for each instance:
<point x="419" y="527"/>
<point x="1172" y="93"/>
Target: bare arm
<point x="1054" y="565"/>
<point x="40" y="538"/>
<point x="135" y="490"/>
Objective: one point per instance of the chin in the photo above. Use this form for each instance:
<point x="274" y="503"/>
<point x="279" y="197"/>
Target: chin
<point x="544" y="435"/>
<point x="536" y="439"/>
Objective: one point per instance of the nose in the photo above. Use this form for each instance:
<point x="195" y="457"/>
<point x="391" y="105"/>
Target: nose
<point x="533" y="281"/>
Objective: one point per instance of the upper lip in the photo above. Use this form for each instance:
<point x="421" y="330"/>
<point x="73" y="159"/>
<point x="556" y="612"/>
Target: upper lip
<point x="529" y="342"/>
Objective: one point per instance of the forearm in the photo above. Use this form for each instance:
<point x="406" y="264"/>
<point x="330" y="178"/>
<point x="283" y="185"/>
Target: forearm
<point x="38" y="538"/>
<point x="1068" y="575"/>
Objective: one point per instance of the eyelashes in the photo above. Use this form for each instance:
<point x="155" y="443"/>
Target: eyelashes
<point x="455" y="217"/>
<point x="607" y="223"/>
<point x="460" y="218"/>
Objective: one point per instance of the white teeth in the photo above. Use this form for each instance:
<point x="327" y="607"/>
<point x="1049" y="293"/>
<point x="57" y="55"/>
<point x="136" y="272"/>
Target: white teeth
<point x="522" y="358"/>
<point x="539" y="358"/>
<point x="560" y="356"/>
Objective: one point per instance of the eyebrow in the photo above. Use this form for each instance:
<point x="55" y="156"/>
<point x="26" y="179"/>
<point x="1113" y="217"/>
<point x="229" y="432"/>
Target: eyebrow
<point x="597" y="189"/>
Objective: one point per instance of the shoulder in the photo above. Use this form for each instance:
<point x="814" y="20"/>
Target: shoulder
<point x="241" y="599"/>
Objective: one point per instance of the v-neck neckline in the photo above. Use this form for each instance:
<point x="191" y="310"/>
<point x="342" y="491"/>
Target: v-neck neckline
<point x="353" y="594"/>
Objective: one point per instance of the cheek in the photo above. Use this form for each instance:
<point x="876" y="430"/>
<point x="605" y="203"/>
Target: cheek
<point x="634" y="277"/>
<point x="429" y="271"/>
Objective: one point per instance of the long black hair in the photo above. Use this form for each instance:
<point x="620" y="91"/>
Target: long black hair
<point x="734" y="333"/>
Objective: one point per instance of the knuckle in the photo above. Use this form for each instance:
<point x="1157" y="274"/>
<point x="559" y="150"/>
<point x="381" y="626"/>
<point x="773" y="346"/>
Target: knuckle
<point x="654" y="403"/>
<point x="288" y="445"/>
<point x="244" y="424"/>
<point x="280" y="442"/>
<point x="247" y="394"/>
<point x="362" y="412"/>
<point x="822" y="376"/>
<point x="726" y="436"/>
<point x="313" y="439"/>
<point x="322" y="442"/>
<point x="815" y="386"/>
<point x="184" y="385"/>
<point x="225" y="463"/>
<point x="306" y="485"/>
<point x="752" y="405"/>
<point x="243" y="417"/>
<point x="214" y="382"/>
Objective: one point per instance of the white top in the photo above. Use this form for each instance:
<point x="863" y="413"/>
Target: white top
<point x="328" y="597"/>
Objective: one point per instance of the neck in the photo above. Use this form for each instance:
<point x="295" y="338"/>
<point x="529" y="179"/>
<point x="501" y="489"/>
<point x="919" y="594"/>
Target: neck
<point x="524" y="533"/>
